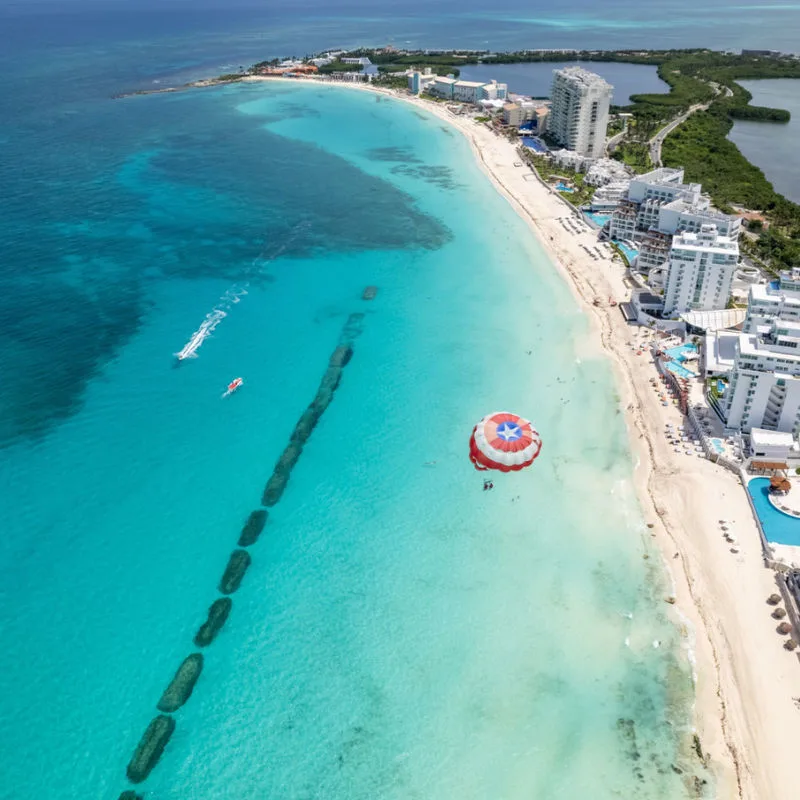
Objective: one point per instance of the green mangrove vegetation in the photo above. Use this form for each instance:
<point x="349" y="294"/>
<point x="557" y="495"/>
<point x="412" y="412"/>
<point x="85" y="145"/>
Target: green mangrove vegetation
<point x="339" y="66"/>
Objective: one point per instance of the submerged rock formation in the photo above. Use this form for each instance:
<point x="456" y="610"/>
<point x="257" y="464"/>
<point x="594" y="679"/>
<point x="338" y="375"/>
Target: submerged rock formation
<point x="369" y="293"/>
<point x="234" y="572"/>
<point x="129" y="794"/>
<point x="150" y="747"/>
<point x="280" y="475"/>
<point x="341" y="356"/>
<point x="306" y="424"/>
<point x="253" y="527"/>
<point x="181" y="686"/>
<point x="217" y="616"/>
<point x="331" y="379"/>
<point x="352" y="328"/>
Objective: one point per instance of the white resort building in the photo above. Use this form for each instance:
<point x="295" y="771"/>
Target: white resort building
<point x="700" y="271"/>
<point x="579" y="111"/>
<point x="764" y="388"/>
<point x="659" y="205"/>
<point x="607" y="170"/>
<point x="767" y="304"/>
<point x="467" y="91"/>
<point x="419" y="81"/>
<point x="519" y="112"/>
<point x="609" y="196"/>
<point x="442" y="87"/>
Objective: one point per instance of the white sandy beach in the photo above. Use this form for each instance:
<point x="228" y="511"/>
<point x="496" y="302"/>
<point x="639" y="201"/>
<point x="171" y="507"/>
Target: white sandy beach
<point x="746" y="718"/>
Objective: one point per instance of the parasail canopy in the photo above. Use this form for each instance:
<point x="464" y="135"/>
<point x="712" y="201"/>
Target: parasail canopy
<point x="504" y="441"/>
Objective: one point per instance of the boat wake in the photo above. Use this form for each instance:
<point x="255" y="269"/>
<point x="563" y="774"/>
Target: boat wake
<point x="234" y="294"/>
<point x="212" y="319"/>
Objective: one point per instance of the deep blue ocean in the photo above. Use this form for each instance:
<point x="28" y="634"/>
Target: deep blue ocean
<point x="400" y="633"/>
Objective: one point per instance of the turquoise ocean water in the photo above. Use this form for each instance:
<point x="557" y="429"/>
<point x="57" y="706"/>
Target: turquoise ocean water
<point x="401" y="633"/>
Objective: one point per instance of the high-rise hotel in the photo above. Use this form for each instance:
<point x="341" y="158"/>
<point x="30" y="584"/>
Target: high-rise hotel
<point x="578" y="117"/>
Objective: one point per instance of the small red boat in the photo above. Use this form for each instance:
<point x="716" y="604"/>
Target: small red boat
<point x="233" y="386"/>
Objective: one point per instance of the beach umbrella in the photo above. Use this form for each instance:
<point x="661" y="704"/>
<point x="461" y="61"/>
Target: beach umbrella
<point x="790" y="644"/>
<point x="774" y="599"/>
<point x="784" y="628"/>
<point x="505" y="442"/>
<point x="779" y="613"/>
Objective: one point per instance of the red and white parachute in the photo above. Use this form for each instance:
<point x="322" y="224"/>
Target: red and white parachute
<point x="504" y="441"/>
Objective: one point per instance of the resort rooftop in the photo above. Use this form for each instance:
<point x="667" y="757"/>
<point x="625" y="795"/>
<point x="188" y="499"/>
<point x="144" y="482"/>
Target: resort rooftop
<point x="664" y="175"/>
<point x="718" y="319"/>
<point x="707" y="241"/>
<point x="764" y="293"/>
<point x="753" y="348"/>
<point x="582" y="76"/>
<point x="703" y="207"/>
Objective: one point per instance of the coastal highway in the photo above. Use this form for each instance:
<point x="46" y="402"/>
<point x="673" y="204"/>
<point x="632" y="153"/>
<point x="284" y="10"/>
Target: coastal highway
<point x="656" y="142"/>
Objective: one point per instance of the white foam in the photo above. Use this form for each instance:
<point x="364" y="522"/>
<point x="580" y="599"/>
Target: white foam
<point x="233" y="295"/>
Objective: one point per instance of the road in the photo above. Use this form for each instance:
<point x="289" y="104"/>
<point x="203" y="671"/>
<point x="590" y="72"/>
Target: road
<point x="656" y="142"/>
<point x="613" y="142"/>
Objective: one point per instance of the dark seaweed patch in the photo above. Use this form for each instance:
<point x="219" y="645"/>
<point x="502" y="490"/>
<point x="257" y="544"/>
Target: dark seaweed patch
<point x="399" y="154"/>
<point x="436" y="176"/>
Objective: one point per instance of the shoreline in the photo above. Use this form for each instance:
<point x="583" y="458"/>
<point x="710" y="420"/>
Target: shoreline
<point x="743" y="712"/>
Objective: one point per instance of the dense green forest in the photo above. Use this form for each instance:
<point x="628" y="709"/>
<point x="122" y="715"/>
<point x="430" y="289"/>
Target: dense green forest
<point x="339" y="66"/>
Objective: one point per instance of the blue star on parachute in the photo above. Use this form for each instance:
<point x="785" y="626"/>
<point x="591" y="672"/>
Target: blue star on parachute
<point x="508" y="431"/>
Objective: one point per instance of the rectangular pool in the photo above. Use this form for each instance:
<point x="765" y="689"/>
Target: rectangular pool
<point x="597" y="217"/>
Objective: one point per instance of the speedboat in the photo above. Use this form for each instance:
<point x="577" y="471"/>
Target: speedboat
<point x="233" y="386"/>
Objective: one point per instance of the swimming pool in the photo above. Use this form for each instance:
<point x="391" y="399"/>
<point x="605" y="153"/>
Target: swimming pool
<point x="678" y="369"/>
<point x="630" y="252"/>
<point x="535" y="144"/>
<point x="778" y="527"/>
<point x="718" y="446"/>
<point x="721" y="387"/>
<point x="597" y="217"/>
<point x="562" y="187"/>
<point x="679" y="356"/>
